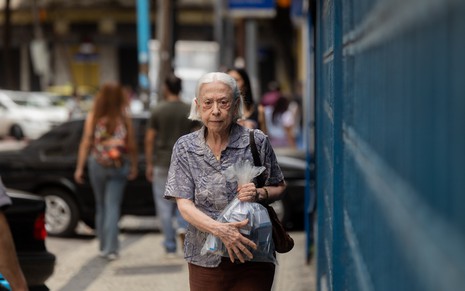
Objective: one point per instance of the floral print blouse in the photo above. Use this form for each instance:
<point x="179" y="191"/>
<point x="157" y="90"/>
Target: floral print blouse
<point x="109" y="149"/>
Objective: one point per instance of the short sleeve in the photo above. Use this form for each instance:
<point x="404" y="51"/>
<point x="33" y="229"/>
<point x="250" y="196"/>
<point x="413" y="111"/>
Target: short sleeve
<point x="179" y="183"/>
<point x="269" y="160"/>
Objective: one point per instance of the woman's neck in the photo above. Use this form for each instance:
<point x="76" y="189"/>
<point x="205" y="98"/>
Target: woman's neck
<point x="217" y="142"/>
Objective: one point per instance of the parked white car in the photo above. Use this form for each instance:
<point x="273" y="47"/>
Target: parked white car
<point x="25" y="121"/>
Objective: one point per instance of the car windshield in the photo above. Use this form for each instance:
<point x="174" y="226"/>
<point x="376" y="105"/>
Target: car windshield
<point x="60" y="141"/>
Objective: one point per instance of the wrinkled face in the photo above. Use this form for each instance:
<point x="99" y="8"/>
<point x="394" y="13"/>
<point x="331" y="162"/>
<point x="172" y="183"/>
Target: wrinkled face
<point x="216" y="106"/>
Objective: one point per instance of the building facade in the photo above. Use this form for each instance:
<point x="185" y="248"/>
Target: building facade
<point x="56" y="43"/>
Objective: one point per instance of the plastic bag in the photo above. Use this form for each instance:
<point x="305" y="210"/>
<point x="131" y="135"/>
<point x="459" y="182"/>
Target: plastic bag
<point x="258" y="229"/>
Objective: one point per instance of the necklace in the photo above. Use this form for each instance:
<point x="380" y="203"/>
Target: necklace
<point x="217" y="156"/>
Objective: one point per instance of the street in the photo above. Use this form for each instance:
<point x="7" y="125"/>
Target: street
<point x="142" y="265"/>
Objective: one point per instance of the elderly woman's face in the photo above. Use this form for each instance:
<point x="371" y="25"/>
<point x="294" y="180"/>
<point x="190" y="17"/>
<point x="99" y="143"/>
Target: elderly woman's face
<point x="216" y="106"/>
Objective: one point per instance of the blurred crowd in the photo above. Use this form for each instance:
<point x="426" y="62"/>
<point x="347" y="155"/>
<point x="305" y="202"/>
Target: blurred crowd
<point x="283" y="117"/>
<point x="277" y="114"/>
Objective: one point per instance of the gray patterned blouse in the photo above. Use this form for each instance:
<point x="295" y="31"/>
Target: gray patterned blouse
<point x="196" y="174"/>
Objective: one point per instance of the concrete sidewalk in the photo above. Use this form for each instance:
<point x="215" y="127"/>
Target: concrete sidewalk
<point x="144" y="266"/>
<point x="292" y="272"/>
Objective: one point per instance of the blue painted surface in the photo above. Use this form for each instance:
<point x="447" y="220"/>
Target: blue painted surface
<point x="143" y="37"/>
<point x="251" y="8"/>
<point x="390" y="140"/>
<point x="251" y="4"/>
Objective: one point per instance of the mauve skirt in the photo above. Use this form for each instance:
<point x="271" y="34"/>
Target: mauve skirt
<point x="248" y="276"/>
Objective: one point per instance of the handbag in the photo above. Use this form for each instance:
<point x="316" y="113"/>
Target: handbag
<point x="283" y="242"/>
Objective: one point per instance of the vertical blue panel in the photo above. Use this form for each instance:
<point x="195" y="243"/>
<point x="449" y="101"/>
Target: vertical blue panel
<point x="143" y="36"/>
<point x="324" y="145"/>
<point x="339" y="245"/>
<point x="390" y="145"/>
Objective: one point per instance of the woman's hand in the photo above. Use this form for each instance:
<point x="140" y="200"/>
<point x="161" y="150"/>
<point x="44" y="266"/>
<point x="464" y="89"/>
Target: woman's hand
<point x="132" y="173"/>
<point x="149" y="173"/>
<point x="79" y="176"/>
<point x="247" y="193"/>
<point x="236" y="244"/>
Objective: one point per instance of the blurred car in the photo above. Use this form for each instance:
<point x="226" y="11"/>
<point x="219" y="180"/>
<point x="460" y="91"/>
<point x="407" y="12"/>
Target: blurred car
<point x="49" y="103"/>
<point x="20" y="120"/>
<point x="26" y="218"/>
<point x="46" y="167"/>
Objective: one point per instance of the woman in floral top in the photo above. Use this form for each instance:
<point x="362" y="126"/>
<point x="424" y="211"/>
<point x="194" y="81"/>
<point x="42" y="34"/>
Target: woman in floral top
<point x="109" y="146"/>
<point x="196" y="180"/>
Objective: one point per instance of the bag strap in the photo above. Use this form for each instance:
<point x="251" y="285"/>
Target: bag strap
<point x="256" y="159"/>
<point x="253" y="148"/>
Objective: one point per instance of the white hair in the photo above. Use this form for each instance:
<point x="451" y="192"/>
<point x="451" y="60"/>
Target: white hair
<point x="225" y="79"/>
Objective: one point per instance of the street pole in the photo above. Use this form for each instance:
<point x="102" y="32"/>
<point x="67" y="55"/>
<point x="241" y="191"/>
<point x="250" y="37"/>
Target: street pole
<point x="165" y="37"/>
<point x="251" y="60"/>
<point x="6" y="47"/>
<point x="143" y="36"/>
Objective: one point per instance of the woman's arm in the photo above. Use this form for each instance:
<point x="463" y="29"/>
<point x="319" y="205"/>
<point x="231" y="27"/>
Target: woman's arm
<point x="289" y="130"/>
<point x="84" y="147"/>
<point x="9" y="265"/>
<point x="274" y="186"/>
<point x="229" y="234"/>
<point x="150" y="135"/>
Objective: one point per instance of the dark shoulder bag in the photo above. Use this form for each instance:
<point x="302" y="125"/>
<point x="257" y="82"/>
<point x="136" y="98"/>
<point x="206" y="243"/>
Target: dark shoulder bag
<point x="283" y="242"/>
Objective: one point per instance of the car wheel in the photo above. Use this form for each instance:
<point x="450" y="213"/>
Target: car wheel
<point x="16" y="132"/>
<point x="62" y="214"/>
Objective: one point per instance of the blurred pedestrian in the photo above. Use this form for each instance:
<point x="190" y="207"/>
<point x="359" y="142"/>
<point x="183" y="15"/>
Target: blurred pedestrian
<point x="109" y="147"/>
<point x="272" y="95"/>
<point x="281" y="124"/>
<point x="74" y="104"/>
<point x="254" y="115"/>
<point x="197" y="181"/>
<point x="295" y="106"/>
<point x="9" y="265"/>
<point x="168" y="121"/>
<point x="135" y="105"/>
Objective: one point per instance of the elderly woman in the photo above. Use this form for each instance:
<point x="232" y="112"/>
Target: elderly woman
<point x="196" y="180"/>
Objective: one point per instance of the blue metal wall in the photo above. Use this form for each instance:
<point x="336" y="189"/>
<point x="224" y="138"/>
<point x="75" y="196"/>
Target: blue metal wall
<point x="390" y="144"/>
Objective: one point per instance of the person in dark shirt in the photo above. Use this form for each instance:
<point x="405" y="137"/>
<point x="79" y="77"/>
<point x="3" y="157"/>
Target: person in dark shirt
<point x="168" y="121"/>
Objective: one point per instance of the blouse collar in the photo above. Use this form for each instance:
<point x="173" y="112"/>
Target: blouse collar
<point x="238" y="138"/>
